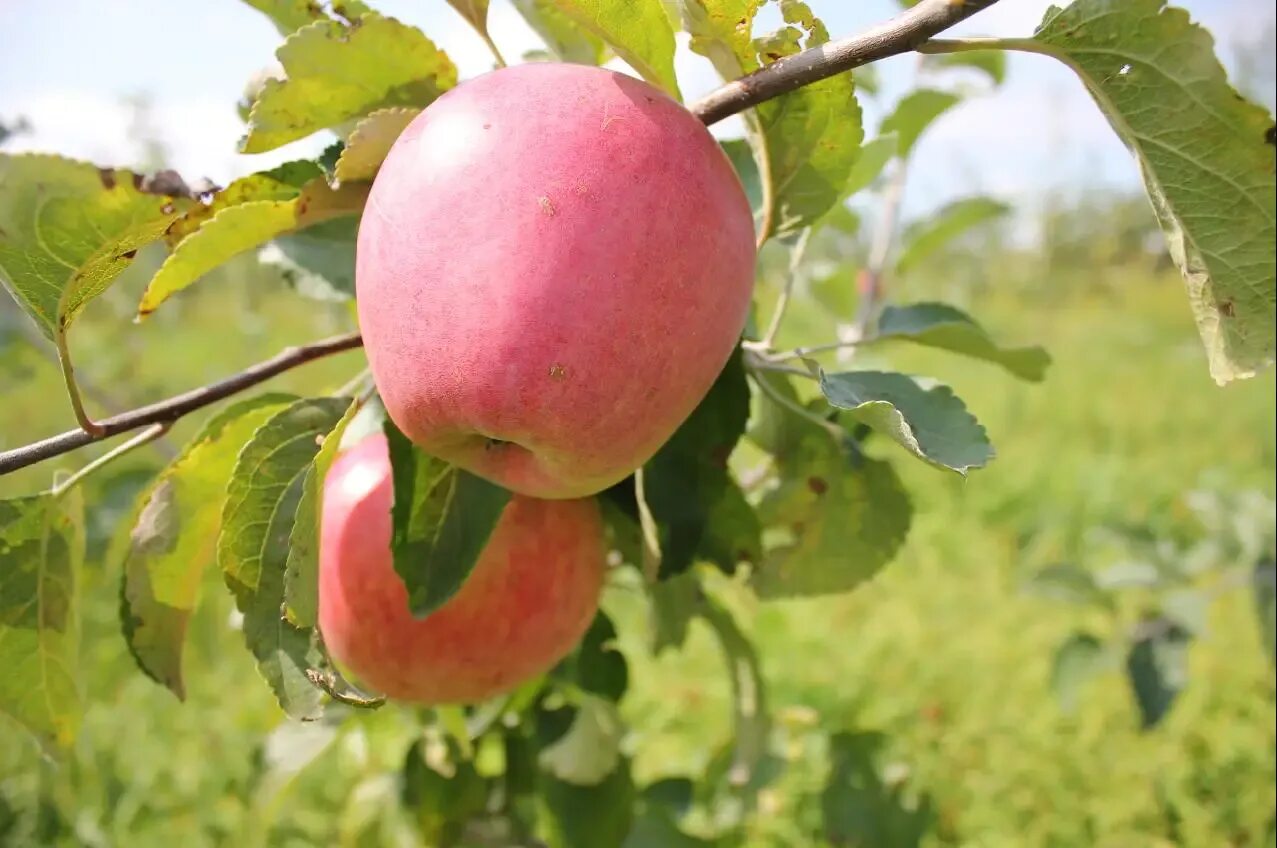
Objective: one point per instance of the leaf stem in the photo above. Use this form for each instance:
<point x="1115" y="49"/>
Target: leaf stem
<point x="492" y="45"/>
<point x="762" y="158"/>
<point x="87" y="424"/>
<point x="149" y="434"/>
<point x="828" y="426"/>
<point x="651" y="536"/>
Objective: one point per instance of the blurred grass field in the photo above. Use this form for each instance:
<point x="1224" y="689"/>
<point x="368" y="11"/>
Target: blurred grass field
<point x="944" y="654"/>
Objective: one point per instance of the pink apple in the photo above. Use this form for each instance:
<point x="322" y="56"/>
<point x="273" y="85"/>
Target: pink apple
<point x="530" y="598"/>
<point x="553" y="266"/>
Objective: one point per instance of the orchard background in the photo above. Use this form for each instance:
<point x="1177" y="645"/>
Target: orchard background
<point x="1070" y="646"/>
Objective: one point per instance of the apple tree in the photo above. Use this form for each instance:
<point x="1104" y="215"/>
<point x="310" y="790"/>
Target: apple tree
<point x="774" y="463"/>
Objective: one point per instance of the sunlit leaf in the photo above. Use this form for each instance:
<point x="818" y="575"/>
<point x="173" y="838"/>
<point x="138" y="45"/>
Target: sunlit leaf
<point x="337" y="73"/>
<point x="1205" y="153"/>
<point x="565" y="40"/>
<point x="173" y="536"/>
<point x="68" y="229"/>
<point x="931" y="423"/>
<point x="41" y="552"/>
<point x="241" y="222"/>
<point x="638" y="30"/>
<point x="370" y="141"/>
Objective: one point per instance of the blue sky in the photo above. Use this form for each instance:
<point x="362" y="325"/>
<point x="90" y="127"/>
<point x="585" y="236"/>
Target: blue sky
<point x="67" y="66"/>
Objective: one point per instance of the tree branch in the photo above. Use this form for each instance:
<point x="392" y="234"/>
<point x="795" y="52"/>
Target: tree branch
<point x="903" y="33"/>
<point x="167" y="411"/>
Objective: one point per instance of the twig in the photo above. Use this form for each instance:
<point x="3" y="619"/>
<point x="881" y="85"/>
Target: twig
<point x="800" y="352"/>
<point x="175" y="407"/>
<point x="147" y="435"/>
<point x="782" y="302"/>
<point x="903" y="33"/>
<point x="770" y="390"/>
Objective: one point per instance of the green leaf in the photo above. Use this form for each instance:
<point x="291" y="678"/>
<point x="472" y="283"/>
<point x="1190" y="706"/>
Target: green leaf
<point x="944" y="226"/>
<point x="597" y="666"/>
<point x="173" y="537"/>
<point x="319" y="261"/>
<point x="846" y="517"/>
<point x="1264" y="584"/>
<point x="942" y="326"/>
<point x="1205" y="153"/>
<point x="441" y="800"/>
<point x="371" y="140"/>
<point x="241" y="221"/>
<point x="991" y="62"/>
<point x="860" y="807"/>
<point x="575" y="815"/>
<point x="813" y="137"/>
<point x="590" y="750"/>
<point x="337" y="73"/>
<point x="742" y="159"/>
<point x="933" y="424"/>
<point x="1157" y="667"/>
<point x="41" y="552"/>
<point x="874" y="156"/>
<point x="638" y="30"/>
<point x="301" y="572"/>
<point x="913" y="114"/>
<point x="252" y="549"/>
<point x="673" y="604"/>
<point x="1078" y="660"/>
<point x="567" y="41"/>
<point x="68" y="229"/>
<point x="442" y="519"/>
<point x="1065" y="581"/>
<point x="750" y="717"/>
<point x="687" y="479"/>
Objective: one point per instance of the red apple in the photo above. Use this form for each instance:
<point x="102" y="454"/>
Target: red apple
<point x="553" y="266"/>
<point x="530" y="598"/>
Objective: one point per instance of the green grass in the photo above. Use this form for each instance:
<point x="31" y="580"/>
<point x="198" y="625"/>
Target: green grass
<point x="943" y="652"/>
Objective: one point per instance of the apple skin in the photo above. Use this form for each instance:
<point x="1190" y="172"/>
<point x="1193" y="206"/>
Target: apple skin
<point x="530" y="598"/>
<point x="554" y="264"/>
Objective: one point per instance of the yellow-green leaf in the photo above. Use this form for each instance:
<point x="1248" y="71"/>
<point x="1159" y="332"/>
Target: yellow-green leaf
<point x="67" y="230"/>
<point x="337" y="73"/>
<point x="41" y="551"/>
<point x="370" y="141"/>
<point x="1205" y="153"/>
<point x="638" y="30"/>
<point x="174" y="531"/>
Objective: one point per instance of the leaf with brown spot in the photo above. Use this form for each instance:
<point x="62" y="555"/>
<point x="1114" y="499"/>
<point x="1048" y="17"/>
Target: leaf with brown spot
<point x="68" y="229"/>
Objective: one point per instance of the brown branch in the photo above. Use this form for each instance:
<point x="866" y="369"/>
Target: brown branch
<point x="901" y="34"/>
<point x="167" y="411"/>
